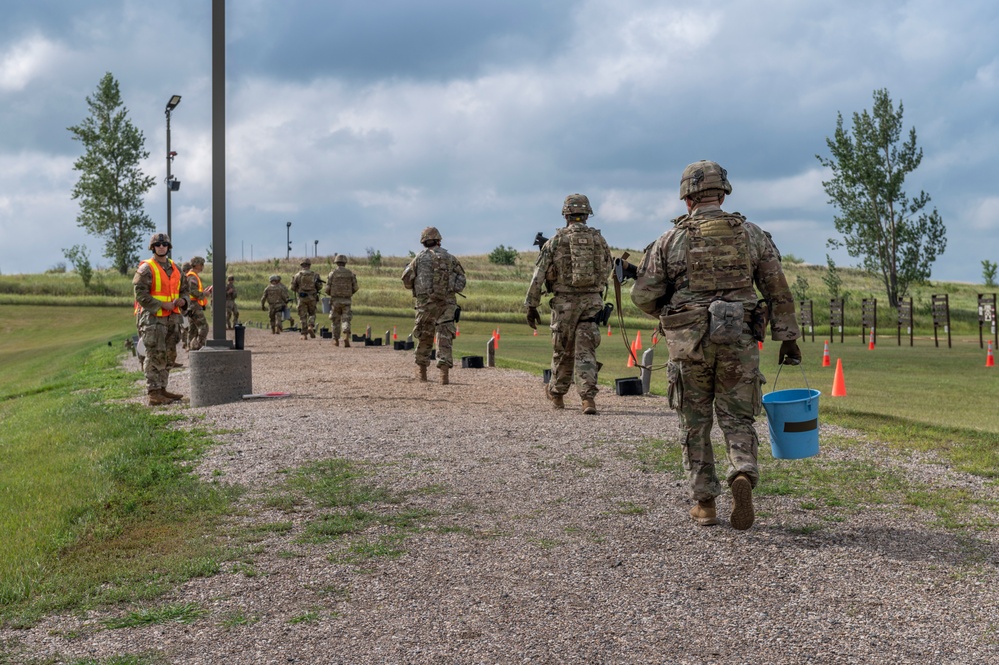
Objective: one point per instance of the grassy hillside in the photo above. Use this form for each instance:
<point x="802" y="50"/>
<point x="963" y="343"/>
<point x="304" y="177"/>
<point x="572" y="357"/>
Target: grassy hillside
<point x="495" y="292"/>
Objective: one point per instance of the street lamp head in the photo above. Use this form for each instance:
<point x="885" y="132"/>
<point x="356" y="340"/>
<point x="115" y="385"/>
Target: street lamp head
<point x="288" y="225"/>
<point x="172" y="104"/>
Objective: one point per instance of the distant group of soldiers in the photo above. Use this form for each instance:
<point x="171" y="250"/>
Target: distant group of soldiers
<point x="699" y="279"/>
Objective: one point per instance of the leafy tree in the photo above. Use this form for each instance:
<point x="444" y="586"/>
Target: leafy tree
<point x="111" y="184"/>
<point x="832" y="279"/>
<point x="989" y="272"/>
<point x="374" y="258"/>
<point x="504" y="256"/>
<point x="890" y="232"/>
<point x="799" y="290"/>
<point x="79" y="256"/>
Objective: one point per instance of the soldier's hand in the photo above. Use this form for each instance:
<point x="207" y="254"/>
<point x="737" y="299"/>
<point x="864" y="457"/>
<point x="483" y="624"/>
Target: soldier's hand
<point x="789" y="353"/>
<point x="630" y="270"/>
<point x="533" y="318"/>
<point x="263" y="308"/>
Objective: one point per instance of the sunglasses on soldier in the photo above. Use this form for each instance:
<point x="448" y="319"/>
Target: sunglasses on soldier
<point x="161" y="244"/>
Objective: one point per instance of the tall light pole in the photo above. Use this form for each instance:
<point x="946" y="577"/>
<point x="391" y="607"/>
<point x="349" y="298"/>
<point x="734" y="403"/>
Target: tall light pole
<point x="288" y="256"/>
<point x="316" y="251"/>
<point x="172" y="184"/>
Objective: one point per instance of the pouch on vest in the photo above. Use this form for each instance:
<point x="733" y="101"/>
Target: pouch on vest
<point x="725" y="322"/>
<point x="683" y="332"/>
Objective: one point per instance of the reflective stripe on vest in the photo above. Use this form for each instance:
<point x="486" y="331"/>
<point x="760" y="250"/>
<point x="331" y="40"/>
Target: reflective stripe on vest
<point x="201" y="289"/>
<point x="165" y="288"/>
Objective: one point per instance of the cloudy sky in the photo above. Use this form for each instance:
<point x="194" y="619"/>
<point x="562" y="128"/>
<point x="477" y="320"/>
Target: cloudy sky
<point x="363" y="121"/>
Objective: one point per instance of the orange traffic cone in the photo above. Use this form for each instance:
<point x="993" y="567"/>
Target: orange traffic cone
<point x="839" y="386"/>
<point x="870" y="342"/>
<point x="825" y="355"/>
<point x="759" y="345"/>
<point x="457" y="330"/>
<point x="496" y="340"/>
<point x="608" y="330"/>
<point x="535" y="332"/>
<point x="990" y="360"/>
<point x="394" y="335"/>
<point x="638" y="341"/>
<point x="655" y="338"/>
<point x="632" y="355"/>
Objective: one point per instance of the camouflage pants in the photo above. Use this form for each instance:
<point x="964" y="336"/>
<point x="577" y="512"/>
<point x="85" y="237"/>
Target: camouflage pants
<point x="340" y="317"/>
<point x="728" y="378"/>
<point x="307" y="312"/>
<point x="198" y="333"/>
<point x="160" y="337"/>
<point x="276" y="316"/>
<point x="574" y="343"/>
<point x="231" y="314"/>
<point x="434" y="317"/>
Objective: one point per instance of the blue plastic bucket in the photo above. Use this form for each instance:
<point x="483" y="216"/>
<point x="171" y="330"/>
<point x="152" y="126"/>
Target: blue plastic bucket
<point x="793" y="420"/>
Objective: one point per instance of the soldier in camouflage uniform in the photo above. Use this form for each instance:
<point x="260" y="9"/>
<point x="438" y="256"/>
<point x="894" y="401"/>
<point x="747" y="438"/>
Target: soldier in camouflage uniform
<point x="162" y="293"/>
<point x="276" y="297"/>
<point x="198" y="333"/>
<point x="185" y="329"/>
<point x="304" y="284"/>
<point x="574" y="266"/>
<point x="698" y="278"/>
<point x="341" y="285"/>
<point x="231" y="310"/>
<point x="434" y="276"/>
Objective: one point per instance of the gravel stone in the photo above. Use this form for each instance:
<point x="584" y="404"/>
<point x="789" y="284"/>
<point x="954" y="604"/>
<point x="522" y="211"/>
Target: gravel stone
<point x="547" y="544"/>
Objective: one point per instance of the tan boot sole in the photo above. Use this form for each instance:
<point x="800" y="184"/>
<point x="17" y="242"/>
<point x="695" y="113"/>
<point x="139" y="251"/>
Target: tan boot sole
<point x="742" y="504"/>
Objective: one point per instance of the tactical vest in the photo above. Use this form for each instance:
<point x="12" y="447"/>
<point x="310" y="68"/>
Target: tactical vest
<point x="201" y="289"/>
<point x="718" y="257"/>
<point x="164" y="287"/>
<point x="306" y="281"/>
<point x="341" y="283"/>
<point x="579" y="257"/>
<point x="433" y="274"/>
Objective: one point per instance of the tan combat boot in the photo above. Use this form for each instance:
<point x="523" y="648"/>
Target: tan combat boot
<point x="444" y="375"/>
<point x="421" y="372"/>
<point x="156" y="398"/>
<point x="589" y="406"/>
<point x="742" y="503"/>
<point x="346" y="342"/>
<point x="554" y="398"/>
<point x="172" y="395"/>
<point x="704" y="513"/>
<point x="336" y="341"/>
<point x="312" y="332"/>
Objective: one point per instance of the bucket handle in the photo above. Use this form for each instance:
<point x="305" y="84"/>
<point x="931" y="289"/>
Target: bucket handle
<point x="780" y="367"/>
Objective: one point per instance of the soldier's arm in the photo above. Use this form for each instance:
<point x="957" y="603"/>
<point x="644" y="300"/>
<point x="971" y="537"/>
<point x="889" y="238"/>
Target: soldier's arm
<point x="459" y="276"/>
<point x="533" y="298"/>
<point x="353" y="283"/>
<point x="772" y="283"/>
<point x="653" y="288"/>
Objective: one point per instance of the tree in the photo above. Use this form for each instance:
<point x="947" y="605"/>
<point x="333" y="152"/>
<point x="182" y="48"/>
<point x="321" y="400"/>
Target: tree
<point x="111" y="184"/>
<point x="989" y="272"/>
<point x="504" y="256"/>
<point x="79" y="256"/>
<point x="881" y="225"/>
<point x="832" y="279"/>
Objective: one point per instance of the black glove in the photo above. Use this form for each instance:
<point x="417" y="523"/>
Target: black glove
<point x="263" y="308"/>
<point x="789" y="353"/>
<point x="533" y="318"/>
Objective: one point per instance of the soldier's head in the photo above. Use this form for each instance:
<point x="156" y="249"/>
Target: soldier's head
<point x="197" y="263"/>
<point x="430" y="237"/>
<point x="160" y="240"/>
<point x="576" y="208"/>
<point x="704" y="181"/>
<point x="231" y="278"/>
<point x="275" y="279"/>
<point x="340" y="260"/>
<point x="306" y="263"/>
<point x="186" y="267"/>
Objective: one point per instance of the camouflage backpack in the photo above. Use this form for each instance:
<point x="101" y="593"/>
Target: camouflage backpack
<point x="433" y="274"/>
<point x="341" y="283"/>
<point x="718" y="253"/>
<point x="579" y="257"/>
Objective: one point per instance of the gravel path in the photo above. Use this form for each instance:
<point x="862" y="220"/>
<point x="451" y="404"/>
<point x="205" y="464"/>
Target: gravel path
<point x="547" y="542"/>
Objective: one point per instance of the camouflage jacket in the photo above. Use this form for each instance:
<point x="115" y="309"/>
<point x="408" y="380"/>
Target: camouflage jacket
<point x="276" y="295"/>
<point x="142" y="283"/>
<point x="304" y="281"/>
<point x="557" y="265"/>
<point x="714" y="255"/>
<point x="230" y="292"/>
<point x="434" y="274"/>
<point x="341" y="284"/>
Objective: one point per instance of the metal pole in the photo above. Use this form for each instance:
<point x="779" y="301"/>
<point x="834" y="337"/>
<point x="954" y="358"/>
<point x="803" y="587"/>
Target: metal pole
<point x="218" y="174"/>
<point x="169" y="184"/>
<point x="288" y="255"/>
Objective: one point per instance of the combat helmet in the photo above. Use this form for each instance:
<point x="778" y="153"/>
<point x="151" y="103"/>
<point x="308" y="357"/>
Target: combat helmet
<point x="306" y="262"/>
<point x="430" y="233"/>
<point x="576" y="204"/>
<point x="197" y="261"/>
<point x="231" y="278"/>
<point x="703" y="176"/>
<point x="340" y="258"/>
<point x="275" y="278"/>
<point x="160" y="238"/>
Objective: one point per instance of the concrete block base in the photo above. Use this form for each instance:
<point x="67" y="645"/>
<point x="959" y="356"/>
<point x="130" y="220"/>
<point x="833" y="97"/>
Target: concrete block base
<point x="220" y="376"/>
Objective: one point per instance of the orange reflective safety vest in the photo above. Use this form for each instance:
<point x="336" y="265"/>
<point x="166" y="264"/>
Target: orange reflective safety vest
<point x="201" y="289"/>
<point x="164" y="288"/>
